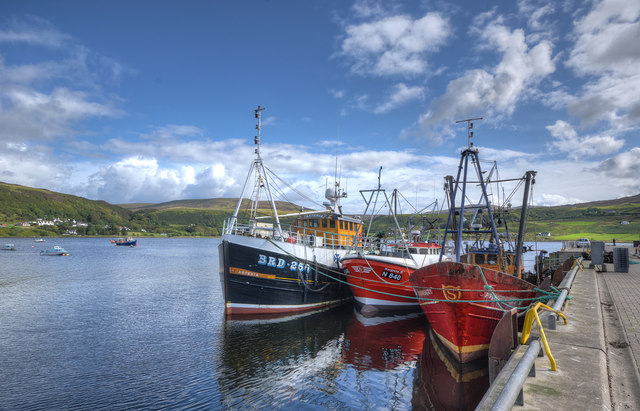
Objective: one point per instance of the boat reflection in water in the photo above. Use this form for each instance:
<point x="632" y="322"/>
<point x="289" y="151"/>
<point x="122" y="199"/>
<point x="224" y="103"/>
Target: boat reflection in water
<point x="272" y="362"/>
<point x="335" y="359"/>
<point x="443" y="383"/>
<point x="384" y="342"/>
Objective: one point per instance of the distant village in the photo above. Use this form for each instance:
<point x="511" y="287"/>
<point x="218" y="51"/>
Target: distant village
<point x="56" y="222"/>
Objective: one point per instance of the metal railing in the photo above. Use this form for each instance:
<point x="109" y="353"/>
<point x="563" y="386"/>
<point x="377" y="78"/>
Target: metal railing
<point x="309" y="236"/>
<point x="511" y="392"/>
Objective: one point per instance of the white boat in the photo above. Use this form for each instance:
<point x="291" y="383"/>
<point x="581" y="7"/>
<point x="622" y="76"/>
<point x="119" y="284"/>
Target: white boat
<point x="55" y="250"/>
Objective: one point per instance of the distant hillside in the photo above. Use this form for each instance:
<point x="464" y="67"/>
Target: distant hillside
<point x="596" y="220"/>
<point x="220" y="204"/>
<point x="619" y="218"/>
<point x="608" y="203"/>
<point x="20" y="203"/>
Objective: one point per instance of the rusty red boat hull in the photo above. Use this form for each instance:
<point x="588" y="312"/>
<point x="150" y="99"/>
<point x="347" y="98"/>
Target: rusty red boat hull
<point x="462" y="311"/>
<point x="381" y="284"/>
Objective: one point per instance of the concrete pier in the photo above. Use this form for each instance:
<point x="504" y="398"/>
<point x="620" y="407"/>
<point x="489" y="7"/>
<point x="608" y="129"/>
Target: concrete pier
<point x="598" y="351"/>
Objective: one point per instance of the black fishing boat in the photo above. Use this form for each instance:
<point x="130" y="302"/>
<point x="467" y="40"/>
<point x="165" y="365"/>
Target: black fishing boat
<point x="269" y="268"/>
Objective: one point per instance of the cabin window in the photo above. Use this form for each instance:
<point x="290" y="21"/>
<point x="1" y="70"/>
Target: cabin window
<point x="493" y="259"/>
<point x="351" y="225"/>
<point x="324" y="223"/>
<point x="332" y="224"/>
<point x="304" y="223"/>
<point x="508" y="260"/>
<point x="341" y="224"/>
<point x="314" y="223"/>
<point x="413" y="251"/>
<point x="479" y="259"/>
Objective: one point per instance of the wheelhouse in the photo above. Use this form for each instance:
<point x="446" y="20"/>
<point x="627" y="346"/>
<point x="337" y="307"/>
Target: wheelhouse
<point x="330" y="229"/>
<point x="492" y="259"/>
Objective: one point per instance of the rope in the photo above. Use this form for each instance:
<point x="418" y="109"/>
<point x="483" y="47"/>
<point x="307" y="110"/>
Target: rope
<point x="544" y="298"/>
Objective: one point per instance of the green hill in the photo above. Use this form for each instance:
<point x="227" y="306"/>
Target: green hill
<point x="598" y="220"/>
<point x="21" y="205"/>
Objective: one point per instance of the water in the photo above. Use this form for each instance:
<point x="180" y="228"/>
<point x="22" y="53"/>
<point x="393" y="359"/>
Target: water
<point x="118" y="327"/>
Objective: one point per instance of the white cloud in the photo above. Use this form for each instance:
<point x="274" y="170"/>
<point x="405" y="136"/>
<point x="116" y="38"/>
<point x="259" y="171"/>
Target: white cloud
<point x="337" y="93"/>
<point x="32" y="165"/>
<point x="607" y="52"/>
<point x="34" y="31"/>
<point x="32" y="115"/>
<point x="494" y="92"/>
<point x="394" y="45"/>
<point x="623" y="165"/>
<point x="140" y="179"/>
<point x="368" y="8"/>
<point x="568" y="141"/>
<point x="400" y="96"/>
<point x="551" y="200"/>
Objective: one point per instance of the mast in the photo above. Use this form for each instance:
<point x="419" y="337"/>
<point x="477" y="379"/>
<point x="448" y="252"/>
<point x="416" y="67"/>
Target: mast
<point x="260" y="182"/>
<point x="529" y="179"/>
<point x="457" y="233"/>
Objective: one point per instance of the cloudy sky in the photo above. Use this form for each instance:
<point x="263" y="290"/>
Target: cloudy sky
<point x="151" y="101"/>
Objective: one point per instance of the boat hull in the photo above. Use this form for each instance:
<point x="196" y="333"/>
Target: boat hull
<point x="462" y="311"/>
<point x="445" y="383"/>
<point x="127" y="243"/>
<point x="261" y="277"/>
<point x="381" y="284"/>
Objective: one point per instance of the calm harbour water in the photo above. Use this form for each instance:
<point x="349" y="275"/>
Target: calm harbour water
<point x="119" y="327"/>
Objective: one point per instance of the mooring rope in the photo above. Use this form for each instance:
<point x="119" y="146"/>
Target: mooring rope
<point x="499" y="301"/>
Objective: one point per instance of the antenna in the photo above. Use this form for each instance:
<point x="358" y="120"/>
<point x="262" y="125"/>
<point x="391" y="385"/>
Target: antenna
<point x="469" y="127"/>
<point x="258" y="115"/>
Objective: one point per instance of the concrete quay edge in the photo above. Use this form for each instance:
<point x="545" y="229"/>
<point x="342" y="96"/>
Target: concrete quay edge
<point x="596" y="365"/>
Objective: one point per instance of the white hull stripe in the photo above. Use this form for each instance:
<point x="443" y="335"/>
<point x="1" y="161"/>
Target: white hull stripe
<point x="280" y="307"/>
<point x="377" y="301"/>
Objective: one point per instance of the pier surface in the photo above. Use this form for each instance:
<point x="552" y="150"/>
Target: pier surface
<point x="598" y="351"/>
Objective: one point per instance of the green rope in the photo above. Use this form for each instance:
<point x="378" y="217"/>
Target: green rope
<point x="543" y="298"/>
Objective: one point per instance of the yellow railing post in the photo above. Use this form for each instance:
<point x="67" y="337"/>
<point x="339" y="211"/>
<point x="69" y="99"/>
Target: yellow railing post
<point x="528" y="324"/>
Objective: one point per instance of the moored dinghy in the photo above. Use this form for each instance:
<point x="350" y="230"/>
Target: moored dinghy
<point x="54" y="251"/>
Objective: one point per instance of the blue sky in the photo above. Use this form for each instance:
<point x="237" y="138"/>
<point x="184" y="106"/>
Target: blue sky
<point x="151" y="101"/>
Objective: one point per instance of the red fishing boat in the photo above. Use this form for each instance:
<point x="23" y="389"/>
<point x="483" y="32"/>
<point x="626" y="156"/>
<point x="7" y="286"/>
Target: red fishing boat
<point x="464" y="303"/>
<point x="378" y="267"/>
<point x="464" y="300"/>
<point x="381" y="279"/>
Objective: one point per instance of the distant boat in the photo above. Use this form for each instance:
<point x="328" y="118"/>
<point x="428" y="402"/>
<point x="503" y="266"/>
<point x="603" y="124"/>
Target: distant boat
<point x="9" y="247"/>
<point x="125" y="241"/>
<point x="39" y="240"/>
<point x="56" y="250"/>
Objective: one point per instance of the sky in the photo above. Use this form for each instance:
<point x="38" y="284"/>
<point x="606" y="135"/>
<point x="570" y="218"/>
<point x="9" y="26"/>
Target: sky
<point x="153" y="101"/>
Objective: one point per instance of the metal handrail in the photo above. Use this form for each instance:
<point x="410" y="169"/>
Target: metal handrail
<point x="511" y="390"/>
